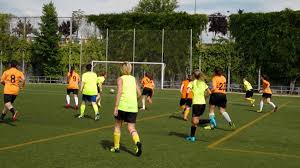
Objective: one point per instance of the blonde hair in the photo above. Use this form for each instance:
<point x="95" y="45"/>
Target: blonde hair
<point x="199" y="75"/>
<point x="126" y="68"/>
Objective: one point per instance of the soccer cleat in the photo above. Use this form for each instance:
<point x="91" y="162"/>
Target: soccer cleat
<point x="143" y="109"/>
<point x="80" y="116"/>
<point x="208" y="127"/>
<point x="275" y="109"/>
<point x="213" y="122"/>
<point x="68" y="106"/>
<point x="14" y="117"/>
<point x="192" y="139"/>
<point x="259" y="111"/>
<point x="97" y="117"/>
<point x="76" y="107"/>
<point x="115" y="150"/>
<point x="231" y="124"/>
<point x="138" y="149"/>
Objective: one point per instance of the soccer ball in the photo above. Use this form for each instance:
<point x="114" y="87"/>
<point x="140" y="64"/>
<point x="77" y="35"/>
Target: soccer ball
<point x="112" y="91"/>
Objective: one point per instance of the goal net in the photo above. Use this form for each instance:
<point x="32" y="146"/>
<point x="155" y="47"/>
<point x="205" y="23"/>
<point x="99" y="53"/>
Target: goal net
<point x="112" y="70"/>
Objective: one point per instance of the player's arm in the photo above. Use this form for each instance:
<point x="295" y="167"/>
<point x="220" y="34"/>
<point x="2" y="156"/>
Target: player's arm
<point x="181" y="87"/>
<point x="3" y="78"/>
<point x="81" y="86"/>
<point x="118" y="96"/>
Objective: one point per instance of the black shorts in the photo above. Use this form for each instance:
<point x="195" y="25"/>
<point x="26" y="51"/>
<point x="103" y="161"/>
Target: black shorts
<point x="128" y="117"/>
<point x="249" y="93"/>
<point x="147" y="92"/>
<point x="187" y="102"/>
<point x="218" y="99"/>
<point x="266" y="95"/>
<point x="198" y="109"/>
<point x="9" y="98"/>
<point x="74" y="91"/>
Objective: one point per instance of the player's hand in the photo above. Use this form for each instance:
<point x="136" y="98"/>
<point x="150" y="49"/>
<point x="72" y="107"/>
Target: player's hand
<point x="116" y="111"/>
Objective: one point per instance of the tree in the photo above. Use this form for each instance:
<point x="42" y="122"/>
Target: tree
<point x="19" y="29"/>
<point x="45" y="48"/>
<point x="218" y="23"/>
<point x="64" y="28"/>
<point x="156" y="6"/>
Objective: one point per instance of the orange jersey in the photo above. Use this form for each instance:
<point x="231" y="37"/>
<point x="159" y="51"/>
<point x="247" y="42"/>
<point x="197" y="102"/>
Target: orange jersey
<point x="184" y="87"/>
<point x="266" y="87"/>
<point x="148" y="83"/>
<point x="73" y="80"/>
<point x="12" y="78"/>
<point x="219" y="84"/>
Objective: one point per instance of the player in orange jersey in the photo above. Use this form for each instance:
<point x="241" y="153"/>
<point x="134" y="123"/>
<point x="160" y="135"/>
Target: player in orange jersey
<point x="218" y="98"/>
<point x="148" y="90"/>
<point x="267" y="94"/>
<point x="13" y="80"/>
<point x="73" y="86"/>
<point x="186" y="98"/>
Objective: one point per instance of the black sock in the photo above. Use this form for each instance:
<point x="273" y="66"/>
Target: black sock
<point x="193" y="131"/>
<point x="2" y="116"/>
<point x="12" y="110"/>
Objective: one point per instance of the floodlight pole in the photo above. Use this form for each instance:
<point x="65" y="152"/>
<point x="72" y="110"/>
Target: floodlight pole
<point x="70" y="49"/>
<point x="80" y="59"/>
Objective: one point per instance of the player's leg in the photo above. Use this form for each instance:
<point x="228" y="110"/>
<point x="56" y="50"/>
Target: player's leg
<point x="272" y="104"/>
<point x="68" y="99"/>
<point x="212" y="118"/>
<point x="187" y="109"/>
<point x="76" y="101"/>
<point x="182" y="104"/>
<point x="3" y="114"/>
<point x="9" y="100"/>
<point x="117" y="136"/>
<point x="135" y="138"/>
<point x="82" y="106"/>
<point x="143" y="102"/>
<point x="98" y="101"/>
<point x="95" y="107"/>
<point x="261" y="104"/>
<point x="226" y="116"/>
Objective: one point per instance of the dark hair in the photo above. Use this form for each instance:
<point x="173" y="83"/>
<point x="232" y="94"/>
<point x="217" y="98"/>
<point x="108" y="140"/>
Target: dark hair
<point x="102" y="73"/>
<point x="218" y="72"/>
<point x="71" y="70"/>
<point x="88" y="67"/>
<point x="13" y="63"/>
<point x="265" y="76"/>
<point x="149" y="75"/>
<point x="189" y="77"/>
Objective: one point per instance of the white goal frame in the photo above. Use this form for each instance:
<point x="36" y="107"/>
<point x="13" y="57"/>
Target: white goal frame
<point x="163" y="66"/>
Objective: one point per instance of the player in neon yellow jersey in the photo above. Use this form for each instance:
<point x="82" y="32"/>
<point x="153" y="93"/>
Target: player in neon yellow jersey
<point x="126" y="108"/>
<point x="249" y="92"/>
<point x="89" y="91"/>
<point x="199" y="89"/>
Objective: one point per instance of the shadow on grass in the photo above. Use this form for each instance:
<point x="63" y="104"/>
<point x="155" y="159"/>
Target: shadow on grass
<point x="183" y="135"/>
<point x="106" y="145"/>
<point x="9" y="122"/>
<point x="85" y="116"/>
<point x="177" y="117"/>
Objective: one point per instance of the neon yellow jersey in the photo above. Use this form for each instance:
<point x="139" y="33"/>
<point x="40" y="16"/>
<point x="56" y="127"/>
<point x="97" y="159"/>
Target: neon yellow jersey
<point x="198" y="88"/>
<point x="89" y="80"/>
<point x="100" y="80"/>
<point x="128" y="100"/>
<point x="247" y="85"/>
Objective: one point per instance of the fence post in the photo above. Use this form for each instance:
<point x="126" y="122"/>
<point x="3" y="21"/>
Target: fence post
<point x="70" y="49"/>
<point x="258" y="82"/>
<point x="162" y="45"/>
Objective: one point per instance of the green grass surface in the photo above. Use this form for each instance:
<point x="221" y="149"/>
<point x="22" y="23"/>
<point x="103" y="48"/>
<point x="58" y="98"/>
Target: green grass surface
<point x="48" y="135"/>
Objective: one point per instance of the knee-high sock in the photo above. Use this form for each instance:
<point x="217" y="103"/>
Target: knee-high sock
<point x="82" y="108"/>
<point x="68" y="99"/>
<point x="135" y="137"/>
<point x="272" y="104"/>
<point x="76" y="100"/>
<point x="261" y="105"/>
<point x="186" y="113"/>
<point x="95" y="107"/>
<point x="212" y="119"/>
<point x="144" y="102"/>
<point x="193" y="131"/>
<point x="226" y="116"/>
<point x="117" y="137"/>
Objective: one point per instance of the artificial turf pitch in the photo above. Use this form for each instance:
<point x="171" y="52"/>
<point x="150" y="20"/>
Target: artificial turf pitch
<point x="48" y="135"/>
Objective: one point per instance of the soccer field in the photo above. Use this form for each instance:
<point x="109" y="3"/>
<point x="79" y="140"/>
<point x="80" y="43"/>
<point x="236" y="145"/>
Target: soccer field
<point x="48" y="135"/>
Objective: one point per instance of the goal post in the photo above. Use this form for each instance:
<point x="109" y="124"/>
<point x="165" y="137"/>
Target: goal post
<point x="105" y="63"/>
